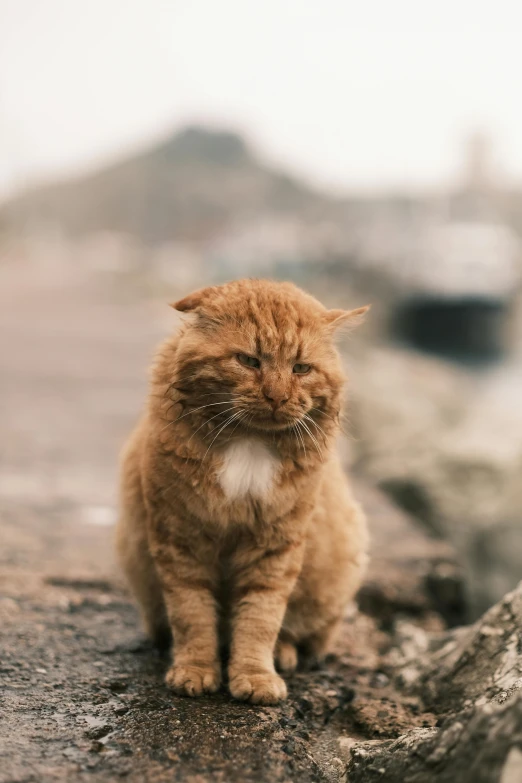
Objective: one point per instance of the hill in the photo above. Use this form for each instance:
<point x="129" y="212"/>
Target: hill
<point x="186" y="187"/>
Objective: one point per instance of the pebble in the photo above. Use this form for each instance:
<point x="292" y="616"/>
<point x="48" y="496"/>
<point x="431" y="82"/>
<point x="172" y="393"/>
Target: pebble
<point x="117" y="685"/>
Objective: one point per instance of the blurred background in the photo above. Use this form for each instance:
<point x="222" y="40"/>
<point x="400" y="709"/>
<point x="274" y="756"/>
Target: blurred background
<point x="367" y="151"/>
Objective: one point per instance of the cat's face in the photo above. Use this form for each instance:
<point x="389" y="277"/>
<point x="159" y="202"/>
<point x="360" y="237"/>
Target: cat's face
<point x="261" y="353"/>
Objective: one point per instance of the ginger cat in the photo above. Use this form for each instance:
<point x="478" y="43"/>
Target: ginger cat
<point x="237" y="523"/>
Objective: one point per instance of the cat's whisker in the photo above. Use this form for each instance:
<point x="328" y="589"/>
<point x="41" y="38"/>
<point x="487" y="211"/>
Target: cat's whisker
<point x="312" y="436"/>
<point x="317" y="446"/>
<point x="305" y="431"/>
<point x="240" y="419"/>
<point x="338" y="421"/>
<point x="312" y="432"/>
<point x="324" y="413"/>
<point x="167" y="425"/>
<point x="299" y="436"/>
<point x="200" y="408"/>
<point x="214" y="394"/>
<point x="335" y="419"/>
<point x="219" y="424"/>
<point x="228" y="421"/>
<point x="221" y="413"/>
<point x="318" y="427"/>
<point x="193" y="410"/>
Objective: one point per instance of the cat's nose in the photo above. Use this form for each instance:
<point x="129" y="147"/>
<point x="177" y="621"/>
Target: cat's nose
<point x="275" y="398"/>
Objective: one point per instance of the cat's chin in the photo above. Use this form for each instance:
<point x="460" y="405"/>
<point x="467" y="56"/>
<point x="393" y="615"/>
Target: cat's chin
<point x="271" y="424"/>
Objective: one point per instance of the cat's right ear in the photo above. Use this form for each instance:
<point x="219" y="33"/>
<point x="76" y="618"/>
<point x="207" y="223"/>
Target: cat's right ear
<point x="345" y="318"/>
<point x="193" y="301"/>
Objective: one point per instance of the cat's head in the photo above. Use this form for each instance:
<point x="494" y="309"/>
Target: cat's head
<point x="261" y="352"/>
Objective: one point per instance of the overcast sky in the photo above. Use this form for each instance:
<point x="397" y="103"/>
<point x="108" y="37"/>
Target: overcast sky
<point x="374" y="93"/>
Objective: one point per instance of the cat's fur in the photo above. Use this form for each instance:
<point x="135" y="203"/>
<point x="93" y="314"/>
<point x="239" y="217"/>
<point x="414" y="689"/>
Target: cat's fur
<point x="242" y="532"/>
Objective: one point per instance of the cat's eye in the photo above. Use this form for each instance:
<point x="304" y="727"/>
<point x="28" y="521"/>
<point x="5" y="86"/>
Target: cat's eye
<point x="301" y="369"/>
<point x="248" y="361"/>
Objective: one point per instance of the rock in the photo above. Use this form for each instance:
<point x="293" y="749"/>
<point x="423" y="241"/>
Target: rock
<point x="478" y="747"/>
<point x="472" y="677"/>
<point x="446" y="445"/>
<point x="408" y="572"/>
<point x="98" y="727"/>
<point x="118" y="684"/>
<point x="478" y="664"/>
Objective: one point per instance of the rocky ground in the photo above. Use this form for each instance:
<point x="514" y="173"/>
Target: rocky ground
<point x="82" y="693"/>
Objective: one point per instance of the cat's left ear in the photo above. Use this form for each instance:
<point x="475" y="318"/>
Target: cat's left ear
<point x="193" y="301"/>
<point x="349" y="319"/>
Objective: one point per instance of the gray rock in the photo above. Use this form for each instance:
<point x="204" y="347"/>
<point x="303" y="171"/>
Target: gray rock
<point x="472" y="677"/>
<point x="446" y="444"/>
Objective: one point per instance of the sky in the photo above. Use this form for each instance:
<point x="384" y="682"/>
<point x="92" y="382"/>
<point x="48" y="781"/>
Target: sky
<point x="365" y="95"/>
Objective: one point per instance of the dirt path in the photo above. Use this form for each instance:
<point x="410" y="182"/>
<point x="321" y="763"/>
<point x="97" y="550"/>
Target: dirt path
<point x="82" y="694"/>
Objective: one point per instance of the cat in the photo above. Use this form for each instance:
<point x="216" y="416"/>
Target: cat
<point x="237" y="522"/>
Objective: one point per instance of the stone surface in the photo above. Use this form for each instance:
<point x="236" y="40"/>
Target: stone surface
<point x="409" y="571"/>
<point x="472" y="679"/>
<point x="479" y="746"/>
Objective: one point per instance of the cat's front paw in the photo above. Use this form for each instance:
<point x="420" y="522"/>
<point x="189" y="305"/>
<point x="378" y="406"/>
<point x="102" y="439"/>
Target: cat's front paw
<point x="193" y="680"/>
<point x="258" y="688"/>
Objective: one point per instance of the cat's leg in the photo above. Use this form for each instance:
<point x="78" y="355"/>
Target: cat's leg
<point x="141" y="575"/>
<point x="135" y="559"/>
<point x="259" y="601"/>
<point x="332" y="572"/>
<point x="189" y="589"/>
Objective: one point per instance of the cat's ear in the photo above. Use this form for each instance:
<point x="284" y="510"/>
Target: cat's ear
<point x="193" y="301"/>
<point x="349" y="319"/>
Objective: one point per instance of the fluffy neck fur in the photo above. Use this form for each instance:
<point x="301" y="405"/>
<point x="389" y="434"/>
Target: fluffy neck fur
<point x="193" y="426"/>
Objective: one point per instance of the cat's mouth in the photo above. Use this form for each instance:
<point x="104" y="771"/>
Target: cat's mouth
<point x="273" y="421"/>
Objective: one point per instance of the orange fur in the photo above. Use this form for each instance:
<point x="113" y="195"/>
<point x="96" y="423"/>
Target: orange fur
<point x="237" y="523"/>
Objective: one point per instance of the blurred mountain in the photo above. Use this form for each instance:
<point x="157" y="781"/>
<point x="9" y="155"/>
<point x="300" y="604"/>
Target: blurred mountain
<point x="189" y="186"/>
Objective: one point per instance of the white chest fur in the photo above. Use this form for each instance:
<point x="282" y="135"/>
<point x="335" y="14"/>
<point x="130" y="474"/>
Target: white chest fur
<point x="248" y="468"/>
